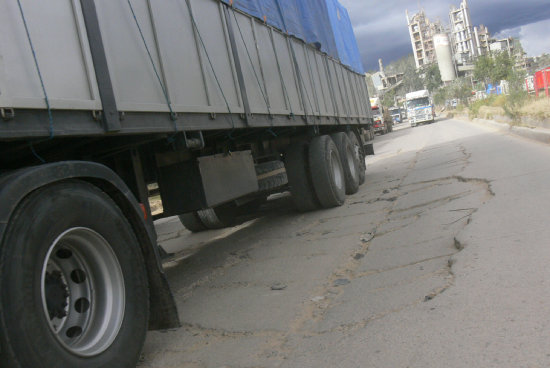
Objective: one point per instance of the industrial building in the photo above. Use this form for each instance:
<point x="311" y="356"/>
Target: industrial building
<point x="444" y="55"/>
<point x="422" y="31"/>
<point x="384" y="82"/>
<point x="482" y="38"/>
<point x="462" y="34"/>
<point x="502" y="45"/>
<point x="457" y="46"/>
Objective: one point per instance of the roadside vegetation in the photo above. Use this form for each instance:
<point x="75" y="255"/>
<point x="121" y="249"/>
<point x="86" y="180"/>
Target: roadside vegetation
<point x="514" y="106"/>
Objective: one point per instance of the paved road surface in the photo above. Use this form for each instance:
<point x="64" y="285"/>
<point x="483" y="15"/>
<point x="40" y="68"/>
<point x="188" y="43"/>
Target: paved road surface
<point x="440" y="260"/>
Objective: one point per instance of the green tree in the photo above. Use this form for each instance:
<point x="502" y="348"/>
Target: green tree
<point x="440" y="97"/>
<point x="432" y="78"/>
<point x="503" y="68"/>
<point x="411" y="80"/>
<point x="494" y="69"/>
<point x="539" y="63"/>
<point x="389" y="98"/>
<point x="461" y="89"/>
<point x="484" y="68"/>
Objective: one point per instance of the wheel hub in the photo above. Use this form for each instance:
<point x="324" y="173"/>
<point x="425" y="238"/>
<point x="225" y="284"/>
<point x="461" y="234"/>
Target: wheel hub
<point x="83" y="292"/>
<point x="57" y="295"/>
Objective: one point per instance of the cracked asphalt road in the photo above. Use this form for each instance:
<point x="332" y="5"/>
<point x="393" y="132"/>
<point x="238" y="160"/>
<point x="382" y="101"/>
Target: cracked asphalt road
<point x="440" y="260"/>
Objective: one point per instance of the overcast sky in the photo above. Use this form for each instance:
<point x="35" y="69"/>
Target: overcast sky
<point x="381" y="26"/>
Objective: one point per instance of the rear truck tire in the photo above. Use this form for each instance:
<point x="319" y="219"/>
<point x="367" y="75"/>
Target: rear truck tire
<point x="299" y="180"/>
<point x="360" y="154"/>
<point x="73" y="284"/>
<point x="271" y="175"/>
<point x="211" y="220"/>
<point x="202" y="220"/>
<point x="192" y="222"/>
<point x="327" y="172"/>
<point x="349" y="160"/>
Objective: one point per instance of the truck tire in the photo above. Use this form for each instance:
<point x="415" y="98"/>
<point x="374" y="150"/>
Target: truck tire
<point x="73" y="284"/>
<point x="326" y="172"/>
<point x="360" y="153"/>
<point x="202" y="220"/>
<point x="271" y="175"/>
<point x="211" y="220"/>
<point x="299" y="180"/>
<point x="192" y="222"/>
<point x="349" y="160"/>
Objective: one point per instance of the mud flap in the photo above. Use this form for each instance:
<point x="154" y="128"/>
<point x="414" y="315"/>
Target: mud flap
<point x="369" y="149"/>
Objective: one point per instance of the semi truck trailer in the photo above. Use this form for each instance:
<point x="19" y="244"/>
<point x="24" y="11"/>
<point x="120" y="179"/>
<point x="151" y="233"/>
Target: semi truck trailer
<point x="99" y="99"/>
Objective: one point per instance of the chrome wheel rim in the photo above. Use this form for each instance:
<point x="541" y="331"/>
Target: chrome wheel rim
<point x="82" y="289"/>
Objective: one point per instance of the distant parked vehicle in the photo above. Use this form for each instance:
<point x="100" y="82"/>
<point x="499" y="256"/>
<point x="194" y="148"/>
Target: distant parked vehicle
<point x="396" y="114"/>
<point x="383" y="122"/>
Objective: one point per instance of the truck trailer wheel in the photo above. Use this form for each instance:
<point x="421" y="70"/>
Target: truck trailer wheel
<point x="73" y="284"/>
<point x="360" y="154"/>
<point x="271" y="175"/>
<point x="192" y="222"/>
<point x="326" y="172"/>
<point x="299" y="180"/>
<point x="211" y="220"/>
<point x="349" y="160"/>
<point x="202" y="220"/>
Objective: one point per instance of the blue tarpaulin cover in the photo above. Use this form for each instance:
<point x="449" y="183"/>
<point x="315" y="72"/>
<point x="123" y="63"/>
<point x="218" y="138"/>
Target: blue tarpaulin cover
<point x="324" y="22"/>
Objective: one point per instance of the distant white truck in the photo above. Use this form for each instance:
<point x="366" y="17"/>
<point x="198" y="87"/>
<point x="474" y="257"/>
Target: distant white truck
<point x="419" y="107"/>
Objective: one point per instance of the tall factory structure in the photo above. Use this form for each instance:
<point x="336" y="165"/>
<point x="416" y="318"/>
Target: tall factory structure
<point x="444" y="56"/>
<point x="422" y="31"/>
<point x="482" y="37"/>
<point x="454" y="47"/>
<point x="462" y="34"/>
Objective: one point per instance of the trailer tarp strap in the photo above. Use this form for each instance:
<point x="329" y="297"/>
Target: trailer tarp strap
<point x="47" y="100"/>
<point x="264" y="93"/>
<point x="173" y="115"/>
<point x="195" y="26"/>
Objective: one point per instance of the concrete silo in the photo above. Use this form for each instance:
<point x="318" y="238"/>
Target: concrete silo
<point x="444" y="57"/>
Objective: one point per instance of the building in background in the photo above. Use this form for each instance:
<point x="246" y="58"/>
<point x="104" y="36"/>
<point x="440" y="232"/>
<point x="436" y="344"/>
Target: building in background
<point x="444" y="56"/>
<point x="482" y="37"/>
<point x="513" y="47"/>
<point x="462" y="34"/>
<point x="455" y="47"/>
<point x="422" y="30"/>
<point x="502" y="45"/>
<point x="384" y="82"/>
